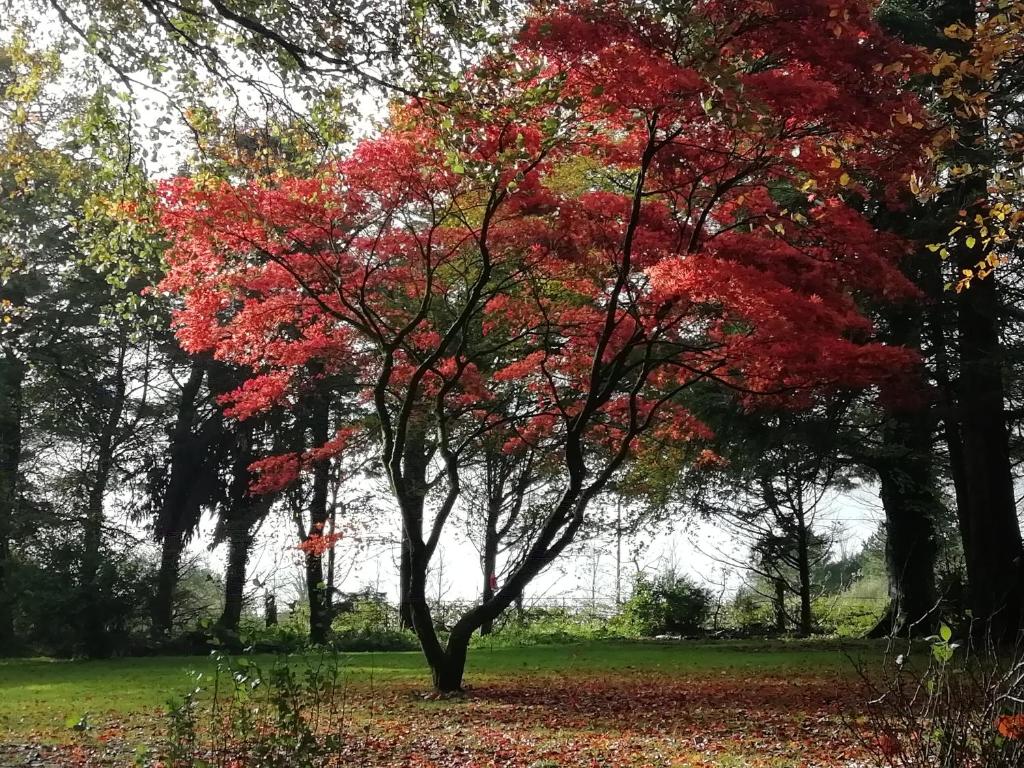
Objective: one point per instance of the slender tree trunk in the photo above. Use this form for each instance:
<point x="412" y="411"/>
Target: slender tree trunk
<point x="270" y="610"/>
<point x="404" y="581"/>
<point x="12" y="376"/>
<point x="319" y="611"/>
<point x="804" y="574"/>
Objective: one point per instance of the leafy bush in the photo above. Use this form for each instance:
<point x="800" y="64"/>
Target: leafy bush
<point x="367" y="622"/>
<point x="670" y="604"/>
<point x="550" y="626"/>
<point x="48" y="599"/>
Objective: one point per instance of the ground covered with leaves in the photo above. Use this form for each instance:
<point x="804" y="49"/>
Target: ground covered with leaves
<point x="618" y="704"/>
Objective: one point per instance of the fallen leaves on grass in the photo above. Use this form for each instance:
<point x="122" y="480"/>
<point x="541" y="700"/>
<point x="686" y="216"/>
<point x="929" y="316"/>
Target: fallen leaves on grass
<point x="639" y="721"/>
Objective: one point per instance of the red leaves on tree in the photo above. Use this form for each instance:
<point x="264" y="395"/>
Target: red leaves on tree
<point x="630" y="205"/>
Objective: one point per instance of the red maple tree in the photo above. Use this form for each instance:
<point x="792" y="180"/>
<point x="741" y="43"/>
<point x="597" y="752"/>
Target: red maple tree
<point x="616" y="206"/>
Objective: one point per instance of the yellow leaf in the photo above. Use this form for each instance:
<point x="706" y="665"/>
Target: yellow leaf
<point x="971" y="241"/>
<point x="844" y="179"/>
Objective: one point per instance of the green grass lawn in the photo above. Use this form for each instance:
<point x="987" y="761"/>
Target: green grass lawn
<point x="551" y="693"/>
<point x="38" y="697"/>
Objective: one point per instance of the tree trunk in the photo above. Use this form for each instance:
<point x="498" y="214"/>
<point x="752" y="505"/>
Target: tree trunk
<point x="989" y="526"/>
<point x="171" y="547"/>
<point x="12" y="376"/>
<point x="319" y="611"/>
<point x="907" y="482"/>
<point x="447" y="676"/>
<point x="270" y="610"/>
<point x="911" y="508"/>
<point x="992" y="538"/>
<point x="404" y="580"/>
<point x="240" y="542"/>
<point x="779" y="604"/>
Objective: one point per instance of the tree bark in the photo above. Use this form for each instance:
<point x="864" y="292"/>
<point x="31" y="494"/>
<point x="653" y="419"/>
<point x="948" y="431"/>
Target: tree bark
<point x="779" y="605"/>
<point x="992" y="538"/>
<point x="238" y="520"/>
<point x="12" y="377"/>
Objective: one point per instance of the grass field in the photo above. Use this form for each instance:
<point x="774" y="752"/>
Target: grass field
<point x="683" y="704"/>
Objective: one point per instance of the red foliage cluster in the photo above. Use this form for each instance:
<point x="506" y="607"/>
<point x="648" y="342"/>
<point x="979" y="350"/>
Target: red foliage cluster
<point x="621" y="209"/>
<point x="316" y="544"/>
<point x="1011" y="727"/>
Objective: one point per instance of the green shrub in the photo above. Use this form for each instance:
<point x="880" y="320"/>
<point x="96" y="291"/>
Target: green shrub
<point x="367" y="622"/>
<point x="549" y="626"/>
<point x="670" y="604"/>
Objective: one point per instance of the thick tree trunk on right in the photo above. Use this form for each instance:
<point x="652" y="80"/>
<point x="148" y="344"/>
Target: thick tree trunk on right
<point x="991" y="534"/>
<point x="12" y="376"/>
<point x="989" y="527"/>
